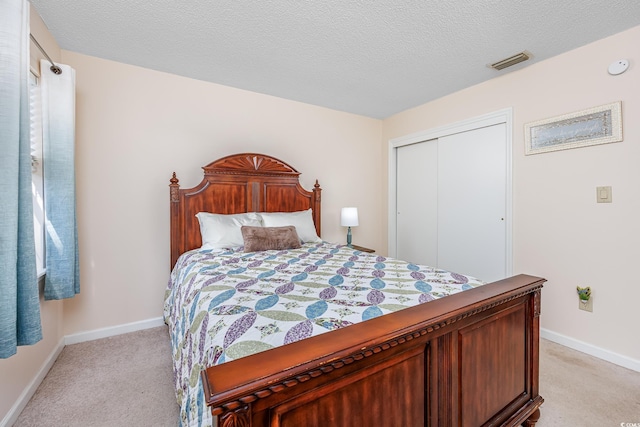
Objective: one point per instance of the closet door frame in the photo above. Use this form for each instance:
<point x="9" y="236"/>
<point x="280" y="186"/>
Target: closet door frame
<point x="501" y="116"/>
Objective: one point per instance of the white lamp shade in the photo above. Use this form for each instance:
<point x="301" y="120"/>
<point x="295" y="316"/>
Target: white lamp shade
<point x="349" y="217"/>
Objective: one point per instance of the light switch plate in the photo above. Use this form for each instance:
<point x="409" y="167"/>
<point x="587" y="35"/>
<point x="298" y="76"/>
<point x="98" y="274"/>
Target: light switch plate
<point x="603" y="194"/>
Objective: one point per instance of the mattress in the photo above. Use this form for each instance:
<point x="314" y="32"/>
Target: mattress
<point x="223" y="305"/>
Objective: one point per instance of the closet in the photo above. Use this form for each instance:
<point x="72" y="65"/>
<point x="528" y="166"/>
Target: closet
<point x="451" y="199"/>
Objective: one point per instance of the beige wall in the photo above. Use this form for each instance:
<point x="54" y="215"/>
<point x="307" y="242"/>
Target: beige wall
<point x="560" y="232"/>
<point x="136" y="126"/>
<point x="19" y="371"/>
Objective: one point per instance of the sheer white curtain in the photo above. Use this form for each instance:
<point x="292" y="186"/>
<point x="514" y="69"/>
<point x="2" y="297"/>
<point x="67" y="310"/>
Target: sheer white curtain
<point x="62" y="279"/>
<point x="19" y="302"/>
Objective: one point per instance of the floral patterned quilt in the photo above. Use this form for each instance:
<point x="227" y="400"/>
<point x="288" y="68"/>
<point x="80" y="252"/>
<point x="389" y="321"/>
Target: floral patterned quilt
<point x="224" y="305"/>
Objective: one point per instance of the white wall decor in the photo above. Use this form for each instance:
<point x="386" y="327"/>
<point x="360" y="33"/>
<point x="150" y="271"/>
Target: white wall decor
<point x="598" y="125"/>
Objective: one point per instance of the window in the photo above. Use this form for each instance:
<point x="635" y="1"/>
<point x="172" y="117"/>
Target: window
<point x="37" y="164"/>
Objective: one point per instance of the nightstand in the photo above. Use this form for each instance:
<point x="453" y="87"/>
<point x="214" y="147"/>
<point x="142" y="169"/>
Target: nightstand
<point x="362" y="249"/>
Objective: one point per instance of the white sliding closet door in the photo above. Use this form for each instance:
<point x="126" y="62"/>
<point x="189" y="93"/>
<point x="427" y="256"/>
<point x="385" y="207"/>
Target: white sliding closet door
<point x="416" y="196"/>
<point x="451" y="196"/>
<point x="472" y="202"/>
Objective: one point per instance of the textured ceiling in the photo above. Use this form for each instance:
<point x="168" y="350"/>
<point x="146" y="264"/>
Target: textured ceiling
<point x="369" y="57"/>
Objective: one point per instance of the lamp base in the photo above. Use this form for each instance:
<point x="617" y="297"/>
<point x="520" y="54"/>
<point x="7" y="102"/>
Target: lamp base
<point x="349" y="237"/>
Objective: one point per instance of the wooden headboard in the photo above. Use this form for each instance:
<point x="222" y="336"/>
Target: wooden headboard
<point x="239" y="183"/>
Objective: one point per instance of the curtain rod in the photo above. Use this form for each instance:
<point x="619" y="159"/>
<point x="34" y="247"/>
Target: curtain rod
<point x="54" y="68"/>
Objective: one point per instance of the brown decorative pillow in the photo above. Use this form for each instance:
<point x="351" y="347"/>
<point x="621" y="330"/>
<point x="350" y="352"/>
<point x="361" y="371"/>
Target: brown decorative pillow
<point x="267" y="238"/>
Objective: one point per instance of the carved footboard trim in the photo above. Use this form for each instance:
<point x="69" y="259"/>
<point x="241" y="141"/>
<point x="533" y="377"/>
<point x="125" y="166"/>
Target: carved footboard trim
<point x="239" y="417"/>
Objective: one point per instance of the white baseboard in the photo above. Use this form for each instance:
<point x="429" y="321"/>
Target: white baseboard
<point x="113" y="331"/>
<point x="12" y="416"/>
<point x="600" y="353"/>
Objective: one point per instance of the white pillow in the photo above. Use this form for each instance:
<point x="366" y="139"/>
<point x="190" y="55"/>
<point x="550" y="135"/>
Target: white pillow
<point x="302" y="220"/>
<point x="223" y="231"/>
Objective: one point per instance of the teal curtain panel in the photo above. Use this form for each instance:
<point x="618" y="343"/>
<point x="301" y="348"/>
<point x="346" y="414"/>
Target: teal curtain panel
<point x="58" y="141"/>
<point x="19" y="301"/>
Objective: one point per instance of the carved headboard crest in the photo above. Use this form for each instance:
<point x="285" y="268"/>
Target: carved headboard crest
<point x="250" y="164"/>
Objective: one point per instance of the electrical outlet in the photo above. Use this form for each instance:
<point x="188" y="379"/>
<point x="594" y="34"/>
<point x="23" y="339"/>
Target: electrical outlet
<point x="586" y="305"/>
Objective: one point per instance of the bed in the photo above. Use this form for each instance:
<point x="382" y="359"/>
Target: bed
<point x="466" y="359"/>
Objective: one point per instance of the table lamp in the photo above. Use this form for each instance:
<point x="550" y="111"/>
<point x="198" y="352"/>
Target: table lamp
<point x="349" y="218"/>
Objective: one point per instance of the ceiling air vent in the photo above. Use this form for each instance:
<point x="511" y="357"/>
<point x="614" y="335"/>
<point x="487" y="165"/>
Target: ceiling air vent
<point x="512" y="60"/>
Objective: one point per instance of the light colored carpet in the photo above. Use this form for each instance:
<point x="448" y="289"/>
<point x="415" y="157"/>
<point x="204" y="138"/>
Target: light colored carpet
<point x="127" y="380"/>
<point x="582" y="390"/>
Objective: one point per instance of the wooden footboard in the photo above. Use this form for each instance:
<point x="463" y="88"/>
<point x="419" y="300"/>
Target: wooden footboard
<point x="470" y="359"/>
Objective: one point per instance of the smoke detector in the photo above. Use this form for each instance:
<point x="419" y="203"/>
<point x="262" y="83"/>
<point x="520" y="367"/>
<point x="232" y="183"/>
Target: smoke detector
<point x="510" y="61"/>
